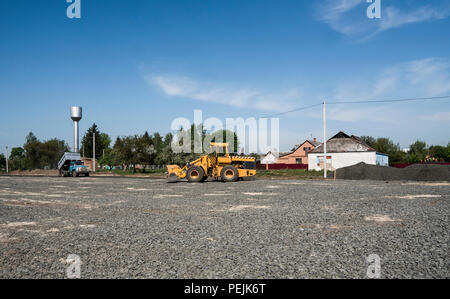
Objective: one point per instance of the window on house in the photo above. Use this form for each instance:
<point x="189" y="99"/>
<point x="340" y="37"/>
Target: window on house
<point x="298" y="161"/>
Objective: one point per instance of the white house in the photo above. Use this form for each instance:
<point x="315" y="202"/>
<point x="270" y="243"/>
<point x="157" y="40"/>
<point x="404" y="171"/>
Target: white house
<point x="270" y="158"/>
<point x="344" y="150"/>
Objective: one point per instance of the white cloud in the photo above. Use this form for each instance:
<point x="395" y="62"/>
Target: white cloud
<point x="393" y="17"/>
<point x="185" y="87"/>
<point x="333" y="12"/>
<point x="418" y="78"/>
<point x="349" y="17"/>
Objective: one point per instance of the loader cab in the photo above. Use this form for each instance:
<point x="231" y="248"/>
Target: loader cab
<point x="221" y="153"/>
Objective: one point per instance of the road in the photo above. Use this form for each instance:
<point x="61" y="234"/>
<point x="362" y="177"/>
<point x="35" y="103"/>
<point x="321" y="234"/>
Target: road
<point x="146" y="228"/>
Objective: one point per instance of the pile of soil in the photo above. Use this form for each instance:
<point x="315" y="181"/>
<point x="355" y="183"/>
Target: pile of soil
<point x="417" y="172"/>
<point x="37" y="172"/>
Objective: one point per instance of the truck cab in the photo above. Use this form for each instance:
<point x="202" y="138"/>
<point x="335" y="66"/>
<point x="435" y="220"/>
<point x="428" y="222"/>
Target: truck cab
<point x="77" y="168"/>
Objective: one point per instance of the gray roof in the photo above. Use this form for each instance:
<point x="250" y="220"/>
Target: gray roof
<point x="315" y="143"/>
<point x="343" y="143"/>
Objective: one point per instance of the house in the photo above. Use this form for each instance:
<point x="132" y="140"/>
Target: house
<point x="269" y="158"/>
<point x="89" y="163"/>
<point x="344" y="150"/>
<point x="299" y="154"/>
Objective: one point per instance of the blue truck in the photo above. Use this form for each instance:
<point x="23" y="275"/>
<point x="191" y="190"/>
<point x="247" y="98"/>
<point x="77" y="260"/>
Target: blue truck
<point x="71" y="165"/>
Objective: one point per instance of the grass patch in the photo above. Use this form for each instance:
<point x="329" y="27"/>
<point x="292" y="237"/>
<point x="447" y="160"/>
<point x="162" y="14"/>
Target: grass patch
<point x="292" y="174"/>
<point x="131" y="172"/>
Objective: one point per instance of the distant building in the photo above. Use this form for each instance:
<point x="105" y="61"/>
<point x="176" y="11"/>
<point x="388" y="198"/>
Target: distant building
<point x="299" y="154"/>
<point x="269" y="158"/>
<point x="344" y="150"/>
<point x="89" y="163"/>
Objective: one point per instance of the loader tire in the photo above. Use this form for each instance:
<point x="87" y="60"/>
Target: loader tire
<point x="195" y="174"/>
<point x="229" y="174"/>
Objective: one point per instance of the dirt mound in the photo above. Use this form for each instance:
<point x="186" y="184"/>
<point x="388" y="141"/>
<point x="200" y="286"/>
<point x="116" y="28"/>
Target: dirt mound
<point x="37" y="172"/>
<point x="417" y="172"/>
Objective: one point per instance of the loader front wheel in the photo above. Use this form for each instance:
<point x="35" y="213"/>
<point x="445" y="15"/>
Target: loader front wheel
<point x="229" y="174"/>
<point x="195" y="174"/>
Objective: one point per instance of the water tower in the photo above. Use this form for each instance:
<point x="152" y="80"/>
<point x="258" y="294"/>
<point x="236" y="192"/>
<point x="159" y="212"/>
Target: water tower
<point x="76" y="115"/>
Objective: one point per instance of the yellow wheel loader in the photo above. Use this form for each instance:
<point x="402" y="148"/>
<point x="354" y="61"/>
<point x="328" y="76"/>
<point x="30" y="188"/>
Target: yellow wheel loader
<point x="219" y="165"/>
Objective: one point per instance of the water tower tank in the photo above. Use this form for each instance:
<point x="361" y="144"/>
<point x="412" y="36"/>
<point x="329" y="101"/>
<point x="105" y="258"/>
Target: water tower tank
<point x="76" y="113"/>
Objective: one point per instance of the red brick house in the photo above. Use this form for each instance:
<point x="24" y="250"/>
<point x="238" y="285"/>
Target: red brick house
<point x="300" y="153"/>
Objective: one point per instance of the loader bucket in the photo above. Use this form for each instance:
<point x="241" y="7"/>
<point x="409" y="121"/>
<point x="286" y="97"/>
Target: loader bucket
<point x="173" y="178"/>
<point x="174" y="173"/>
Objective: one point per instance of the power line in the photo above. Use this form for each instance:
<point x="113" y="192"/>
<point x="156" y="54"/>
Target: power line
<point x="294" y="110"/>
<point x="339" y="102"/>
<point x="342" y="102"/>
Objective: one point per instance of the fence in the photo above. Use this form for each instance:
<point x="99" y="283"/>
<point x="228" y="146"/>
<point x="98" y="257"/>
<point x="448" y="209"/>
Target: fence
<point x="280" y="166"/>
<point x="404" y="165"/>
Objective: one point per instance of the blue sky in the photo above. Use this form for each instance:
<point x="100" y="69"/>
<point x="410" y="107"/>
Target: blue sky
<point x="137" y="65"/>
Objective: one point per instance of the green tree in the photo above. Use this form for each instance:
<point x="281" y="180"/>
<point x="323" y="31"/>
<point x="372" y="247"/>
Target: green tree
<point x="145" y="149"/>
<point x="369" y="140"/>
<point x="441" y="153"/>
<point x="157" y="141"/>
<point x="2" y="162"/>
<point x="17" y="153"/>
<point x="106" y="140"/>
<point x="51" y="152"/>
<point x="226" y="136"/>
<point x="32" y="148"/>
<point x="42" y="154"/>
<point x="108" y="158"/>
<point x="17" y="159"/>
<point x="102" y="142"/>
<point x="126" y="151"/>
<point x="118" y="152"/>
<point x="418" y="150"/>
<point x="165" y="155"/>
<point x="386" y="146"/>
<point x="189" y="144"/>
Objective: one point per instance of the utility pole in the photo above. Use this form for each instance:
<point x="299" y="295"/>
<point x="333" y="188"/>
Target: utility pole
<point x="7" y="169"/>
<point x="93" y="152"/>
<point x="324" y="141"/>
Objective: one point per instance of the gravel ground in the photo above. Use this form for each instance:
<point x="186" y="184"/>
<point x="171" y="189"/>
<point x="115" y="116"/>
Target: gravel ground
<point x="146" y="228"/>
